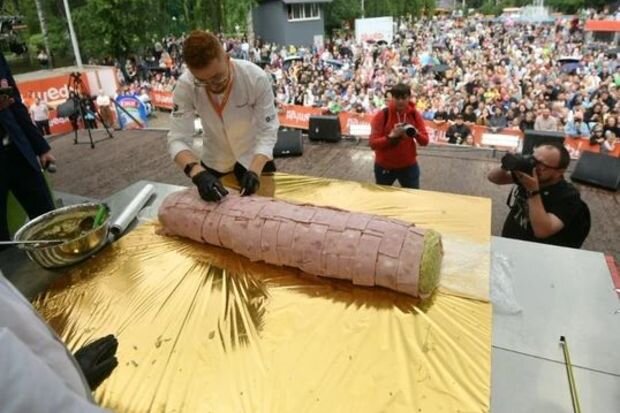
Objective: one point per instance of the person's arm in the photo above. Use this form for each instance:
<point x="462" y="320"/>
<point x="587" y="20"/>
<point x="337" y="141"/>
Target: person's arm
<point x="267" y="124"/>
<point x="537" y="125"/>
<point x="378" y="138"/>
<point x="584" y="130"/>
<point x="181" y="130"/>
<point x="500" y="176"/>
<point x="544" y="224"/>
<point x="469" y="135"/>
<point x="30" y="384"/>
<point x="422" y="135"/>
<point x="450" y="132"/>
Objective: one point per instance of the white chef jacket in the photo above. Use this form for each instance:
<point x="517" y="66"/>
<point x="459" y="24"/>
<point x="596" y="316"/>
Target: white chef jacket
<point x="249" y="123"/>
<point x="38" y="374"/>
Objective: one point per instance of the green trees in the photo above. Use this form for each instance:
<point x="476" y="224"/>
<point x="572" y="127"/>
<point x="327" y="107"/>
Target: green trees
<point x="121" y="27"/>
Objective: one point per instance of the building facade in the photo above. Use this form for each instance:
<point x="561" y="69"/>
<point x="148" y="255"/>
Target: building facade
<point x="290" y="22"/>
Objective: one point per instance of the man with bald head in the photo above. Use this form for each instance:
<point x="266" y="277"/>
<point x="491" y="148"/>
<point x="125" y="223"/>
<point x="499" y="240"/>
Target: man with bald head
<point x="543" y="206"/>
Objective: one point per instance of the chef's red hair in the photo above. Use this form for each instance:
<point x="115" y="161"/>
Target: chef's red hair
<point x="201" y="48"/>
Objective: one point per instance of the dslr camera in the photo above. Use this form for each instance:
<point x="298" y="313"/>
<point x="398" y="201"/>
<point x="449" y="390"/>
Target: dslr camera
<point x="516" y="162"/>
<point x="409" y="129"/>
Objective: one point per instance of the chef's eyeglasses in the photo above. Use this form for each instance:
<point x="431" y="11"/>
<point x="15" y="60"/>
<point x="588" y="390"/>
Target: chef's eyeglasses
<point x="213" y="80"/>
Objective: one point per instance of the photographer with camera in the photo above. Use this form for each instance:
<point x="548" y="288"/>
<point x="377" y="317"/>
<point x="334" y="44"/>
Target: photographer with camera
<point x="393" y="136"/>
<point x="459" y="133"/>
<point x="544" y="207"/>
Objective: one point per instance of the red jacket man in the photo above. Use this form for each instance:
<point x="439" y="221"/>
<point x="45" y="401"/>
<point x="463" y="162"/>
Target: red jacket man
<point x="394" y="141"/>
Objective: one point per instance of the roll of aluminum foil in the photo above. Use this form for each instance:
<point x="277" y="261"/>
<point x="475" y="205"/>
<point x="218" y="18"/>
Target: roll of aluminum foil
<point x="132" y="209"/>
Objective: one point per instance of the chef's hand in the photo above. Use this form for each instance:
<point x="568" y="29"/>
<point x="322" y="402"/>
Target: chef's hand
<point x="209" y="187"/>
<point x="98" y="359"/>
<point x="249" y="183"/>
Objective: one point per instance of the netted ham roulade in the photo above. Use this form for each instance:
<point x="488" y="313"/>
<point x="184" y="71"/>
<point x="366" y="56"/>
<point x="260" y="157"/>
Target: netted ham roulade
<point x="366" y="249"/>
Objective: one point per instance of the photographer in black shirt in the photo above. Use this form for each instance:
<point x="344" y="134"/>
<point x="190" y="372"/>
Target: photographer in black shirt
<point x="543" y="206"/>
<point x="459" y="133"/>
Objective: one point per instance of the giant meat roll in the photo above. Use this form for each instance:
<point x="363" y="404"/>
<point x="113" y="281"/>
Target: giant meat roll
<point x="367" y="249"/>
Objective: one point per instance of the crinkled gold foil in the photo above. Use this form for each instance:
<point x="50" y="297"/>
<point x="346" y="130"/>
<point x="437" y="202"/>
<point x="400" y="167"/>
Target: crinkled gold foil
<point x="201" y="329"/>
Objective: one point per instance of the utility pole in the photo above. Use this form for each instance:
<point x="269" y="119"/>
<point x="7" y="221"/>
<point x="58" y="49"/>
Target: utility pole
<point x="74" y="42"/>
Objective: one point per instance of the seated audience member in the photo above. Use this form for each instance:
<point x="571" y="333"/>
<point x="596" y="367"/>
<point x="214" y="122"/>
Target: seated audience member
<point x="459" y="133"/>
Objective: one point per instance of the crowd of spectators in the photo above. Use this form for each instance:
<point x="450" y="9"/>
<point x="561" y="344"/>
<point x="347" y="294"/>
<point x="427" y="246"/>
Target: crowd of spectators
<point x="491" y="72"/>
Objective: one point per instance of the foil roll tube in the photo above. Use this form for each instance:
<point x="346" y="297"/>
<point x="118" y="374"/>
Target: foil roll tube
<point x="130" y="212"/>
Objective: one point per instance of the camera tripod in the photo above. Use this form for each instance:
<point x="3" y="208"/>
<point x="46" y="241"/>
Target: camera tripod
<point x="84" y="108"/>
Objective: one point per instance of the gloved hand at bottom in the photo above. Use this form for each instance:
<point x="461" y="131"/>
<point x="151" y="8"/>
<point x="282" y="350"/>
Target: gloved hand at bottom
<point x="98" y="359"/>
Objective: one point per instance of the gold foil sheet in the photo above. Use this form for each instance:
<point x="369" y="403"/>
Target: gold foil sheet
<point x="201" y="329"/>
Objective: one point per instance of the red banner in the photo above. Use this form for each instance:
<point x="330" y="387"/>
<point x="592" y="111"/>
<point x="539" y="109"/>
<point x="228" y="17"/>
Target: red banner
<point x="348" y="119"/>
<point x="576" y="146"/>
<point x="52" y="90"/>
<point x="293" y="116"/>
<point x="161" y="99"/>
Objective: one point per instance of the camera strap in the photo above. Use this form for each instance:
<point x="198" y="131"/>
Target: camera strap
<point x="386" y="115"/>
<point x="513" y="194"/>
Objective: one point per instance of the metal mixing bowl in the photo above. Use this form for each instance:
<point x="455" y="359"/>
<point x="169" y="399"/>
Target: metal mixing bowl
<point x="63" y="223"/>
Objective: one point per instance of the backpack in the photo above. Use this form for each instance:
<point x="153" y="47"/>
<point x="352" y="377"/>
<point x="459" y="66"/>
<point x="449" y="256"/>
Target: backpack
<point x="385" y="117"/>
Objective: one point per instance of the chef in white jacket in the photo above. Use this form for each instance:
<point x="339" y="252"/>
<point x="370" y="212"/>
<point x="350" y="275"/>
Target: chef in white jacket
<point x="37" y="372"/>
<point x="234" y="100"/>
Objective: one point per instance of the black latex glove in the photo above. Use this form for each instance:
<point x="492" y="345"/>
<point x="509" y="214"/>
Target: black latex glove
<point x="249" y="183"/>
<point x="97" y="360"/>
<point x="209" y="187"/>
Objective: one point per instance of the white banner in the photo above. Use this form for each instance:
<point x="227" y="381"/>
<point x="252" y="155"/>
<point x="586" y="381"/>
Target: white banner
<point x="374" y="29"/>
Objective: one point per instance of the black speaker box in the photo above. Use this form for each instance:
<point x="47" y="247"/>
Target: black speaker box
<point x="324" y="128"/>
<point x="289" y="143"/>
<point x="598" y="170"/>
<point x="534" y="138"/>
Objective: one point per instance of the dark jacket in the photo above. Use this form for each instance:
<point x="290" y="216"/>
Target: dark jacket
<point x="16" y="122"/>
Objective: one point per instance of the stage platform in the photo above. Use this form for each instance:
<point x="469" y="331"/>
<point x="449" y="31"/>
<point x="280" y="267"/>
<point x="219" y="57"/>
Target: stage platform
<point x="553" y="291"/>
